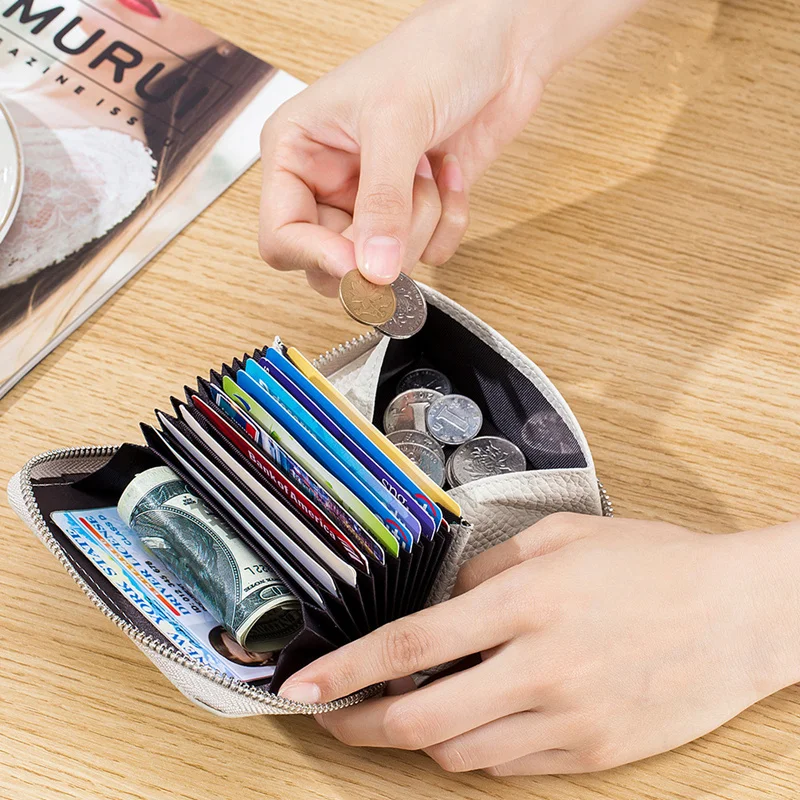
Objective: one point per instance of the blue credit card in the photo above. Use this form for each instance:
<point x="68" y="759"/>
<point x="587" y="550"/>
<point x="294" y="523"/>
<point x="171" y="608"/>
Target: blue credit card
<point x="241" y="418"/>
<point x="264" y="389"/>
<point x="290" y="467"/>
<point x="337" y="424"/>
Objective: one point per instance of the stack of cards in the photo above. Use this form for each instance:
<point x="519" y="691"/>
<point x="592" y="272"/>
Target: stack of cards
<point x="355" y="530"/>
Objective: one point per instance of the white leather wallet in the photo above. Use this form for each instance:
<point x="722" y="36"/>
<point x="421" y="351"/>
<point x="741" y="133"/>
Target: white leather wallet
<point x="518" y="403"/>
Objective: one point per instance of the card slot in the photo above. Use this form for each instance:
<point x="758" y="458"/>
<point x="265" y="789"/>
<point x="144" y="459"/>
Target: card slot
<point x="420" y="556"/>
<point x="353" y="602"/>
<point x="237" y="493"/>
<point x="404" y="561"/>
<point x="379" y="594"/>
<point x="441" y="543"/>
<point x="354" y="598"/>
<point x="202" y="485"/>
<point x="320" y="513"/>
<point x="309" y="645"/>
<point x="268" y="497"/>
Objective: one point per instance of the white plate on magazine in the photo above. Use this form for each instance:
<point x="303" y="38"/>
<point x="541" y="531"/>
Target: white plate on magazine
<point x="11" y="171"/>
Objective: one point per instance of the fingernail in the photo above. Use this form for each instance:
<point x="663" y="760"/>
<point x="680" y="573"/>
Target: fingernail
<point x="424" y="168"/>
<point x="452" y="176"/>
<point x="300" y="692"/>
<point x="382" y="258"/>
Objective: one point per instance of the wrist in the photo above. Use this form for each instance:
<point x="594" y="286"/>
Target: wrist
<point x="771" y="593"/>
<point x="553" y="32"/>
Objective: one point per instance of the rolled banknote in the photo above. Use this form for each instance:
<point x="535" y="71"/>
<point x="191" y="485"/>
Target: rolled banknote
<point x="233" y="583"/>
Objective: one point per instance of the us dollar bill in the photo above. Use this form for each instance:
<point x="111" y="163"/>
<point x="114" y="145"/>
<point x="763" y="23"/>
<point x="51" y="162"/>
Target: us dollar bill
<point x="230" y="579"/>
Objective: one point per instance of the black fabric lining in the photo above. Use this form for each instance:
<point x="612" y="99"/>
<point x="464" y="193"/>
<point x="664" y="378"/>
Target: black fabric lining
<point x="512" y="406"/>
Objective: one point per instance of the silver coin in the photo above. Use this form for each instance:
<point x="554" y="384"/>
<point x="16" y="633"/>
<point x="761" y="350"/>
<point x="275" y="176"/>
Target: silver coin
<point x="454" y="419"/>
<point x="426" y="459"/>
<point x="483" y="457"/>
<point x="547" y="432"/>
<point x="405" y="435"/>
<point x="411" y="311"/>
<point x="409" y="410"/>
<point x="425" y="379"/>
<point x="448" y="473"/>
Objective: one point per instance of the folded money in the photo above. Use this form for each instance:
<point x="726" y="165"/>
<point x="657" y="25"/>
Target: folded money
<point x="233" y="583"/>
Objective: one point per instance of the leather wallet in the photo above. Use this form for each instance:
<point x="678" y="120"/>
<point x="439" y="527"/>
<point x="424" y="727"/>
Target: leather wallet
<point x="518" y="403"/>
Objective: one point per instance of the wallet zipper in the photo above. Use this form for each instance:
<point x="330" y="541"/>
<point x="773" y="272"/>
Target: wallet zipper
<point x="606" y="505"/>
<point x="36" y="519"/>
<point x="340" y="355"/>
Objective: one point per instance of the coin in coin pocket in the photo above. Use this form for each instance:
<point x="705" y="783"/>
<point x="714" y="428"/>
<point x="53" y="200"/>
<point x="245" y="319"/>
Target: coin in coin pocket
<point x="429" y="461"/>
<point x="454" y="419"/>
<point x="483" y="457"/>
<point x="409" y="410"/>
<point x="425" y="378"/>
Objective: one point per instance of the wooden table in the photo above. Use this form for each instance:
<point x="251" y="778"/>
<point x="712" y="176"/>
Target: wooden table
<point x="639" y="241"/>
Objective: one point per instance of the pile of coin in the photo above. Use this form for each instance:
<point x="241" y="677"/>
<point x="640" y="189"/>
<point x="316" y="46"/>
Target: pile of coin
<point x="397" y="310"/>
<point x="438" y="430"/>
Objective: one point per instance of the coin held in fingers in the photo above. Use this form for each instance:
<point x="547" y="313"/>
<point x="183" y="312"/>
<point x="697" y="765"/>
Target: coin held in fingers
<point x="366" y="302"/>
<point x="411" y="312"/>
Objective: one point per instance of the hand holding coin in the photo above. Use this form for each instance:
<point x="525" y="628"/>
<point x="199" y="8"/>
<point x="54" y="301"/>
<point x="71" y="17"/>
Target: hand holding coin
<point x="397" y="310"/>
<point x="366" y="302"/>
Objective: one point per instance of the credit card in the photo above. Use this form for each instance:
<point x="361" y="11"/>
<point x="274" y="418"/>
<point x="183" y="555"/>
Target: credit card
<point x="242" y="524"/>
<point x="405" y="466"/>
<point x="283" y="484"/>
<point x="338" y="490"/>
<point x="313" y="436"/>
<point x="145" y="582"/>
<point x="240" y="417"/>
<point x="312" y="565"/>
<point x="339" y="426"/>
<point x="291" y="468"/>
<point x="322" y="550"/>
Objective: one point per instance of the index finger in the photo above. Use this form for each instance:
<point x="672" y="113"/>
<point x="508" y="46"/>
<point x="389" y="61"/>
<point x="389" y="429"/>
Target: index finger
<point x="473" y="622"/>
<point x="290" y="236"/>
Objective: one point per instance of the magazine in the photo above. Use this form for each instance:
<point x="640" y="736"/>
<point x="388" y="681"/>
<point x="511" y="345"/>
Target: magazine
<point x="132" y="119"/>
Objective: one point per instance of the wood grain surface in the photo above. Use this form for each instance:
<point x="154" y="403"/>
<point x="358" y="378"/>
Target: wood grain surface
<point x="639" y="241"/>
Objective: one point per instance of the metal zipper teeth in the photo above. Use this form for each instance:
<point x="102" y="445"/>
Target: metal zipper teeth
<point x="227" y="682"/>
<point x="336" y="356"/>
<point x="330" y="359"/>
<point x="605" y="501"/>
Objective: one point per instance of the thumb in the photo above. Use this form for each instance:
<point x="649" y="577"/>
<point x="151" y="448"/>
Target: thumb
<point x="548" y="535"/>
<point x="383" y="208"/>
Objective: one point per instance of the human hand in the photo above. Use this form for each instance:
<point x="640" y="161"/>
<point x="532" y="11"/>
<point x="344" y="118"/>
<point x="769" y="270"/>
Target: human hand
<point x="603" y="641"/>
<point x="370" y="166"/>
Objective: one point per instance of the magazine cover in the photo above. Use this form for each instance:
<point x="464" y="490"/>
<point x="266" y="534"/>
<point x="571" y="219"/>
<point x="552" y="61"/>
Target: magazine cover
<point x="132" y="119"/>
